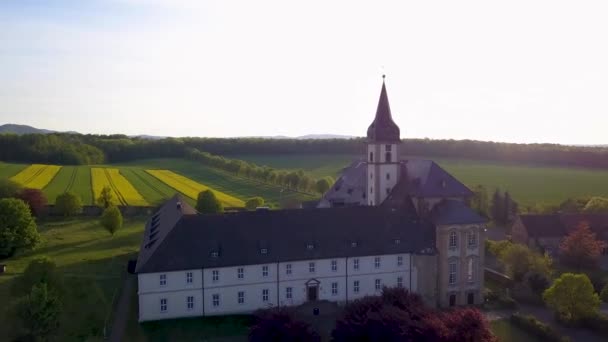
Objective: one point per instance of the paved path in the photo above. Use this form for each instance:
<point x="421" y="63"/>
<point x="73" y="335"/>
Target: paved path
<point x="122" y="309"/>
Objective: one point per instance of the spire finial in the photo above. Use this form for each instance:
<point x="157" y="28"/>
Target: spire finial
<point x="383" y="77"/>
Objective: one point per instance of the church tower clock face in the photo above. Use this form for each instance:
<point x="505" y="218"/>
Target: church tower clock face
<point x="383" y="145"/>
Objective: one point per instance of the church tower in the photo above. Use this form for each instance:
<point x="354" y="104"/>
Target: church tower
<point x="383" y="144"/>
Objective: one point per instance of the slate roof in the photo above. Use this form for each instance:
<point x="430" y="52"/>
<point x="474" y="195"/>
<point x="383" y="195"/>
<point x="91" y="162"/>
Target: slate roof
<point x="351" y="186"/>
<point x="427" y="179"/>
<point x="455" y="212"/>
<point x="559" y="225"/>
<point x="238" y="238"/>
<point x="383" y="128"/>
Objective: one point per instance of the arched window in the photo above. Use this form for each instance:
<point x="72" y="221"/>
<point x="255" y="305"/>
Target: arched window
<point x="388" y="157"/>
<point x="472" y="238"/>
<point x="453" y="243"/>
<point x="371" y="156"/>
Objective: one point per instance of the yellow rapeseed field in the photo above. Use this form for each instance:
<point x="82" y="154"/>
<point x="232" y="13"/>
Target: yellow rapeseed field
<point x="36" y="176"/>
<point x="123" y="192"/>
<point x="191" y="188"/>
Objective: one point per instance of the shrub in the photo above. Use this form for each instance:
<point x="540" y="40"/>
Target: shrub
<point x="9" y="189"/>
<point x="111" y="219"/>
<point x="572" y="297"/>
<point x="68" y="204"/>
<point x="537" y="328"/>
<point x="207" y="203"/>
<point x="254" y="202"/>
<point x="279" y="324"/>
<point x="40" y="270"/>
<point x="35" y="199"/>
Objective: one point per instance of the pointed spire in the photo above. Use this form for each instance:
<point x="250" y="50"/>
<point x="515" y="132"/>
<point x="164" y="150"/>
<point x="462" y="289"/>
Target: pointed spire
<point x="383" y="128"/>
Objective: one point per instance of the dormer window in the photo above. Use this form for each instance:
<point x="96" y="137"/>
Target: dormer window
<point x="310" y="246"/>
<point x="397" y="241"/>
<point x="264" y="251"/>
<point x="354" y="244"/>
<point x="215" y="254"/>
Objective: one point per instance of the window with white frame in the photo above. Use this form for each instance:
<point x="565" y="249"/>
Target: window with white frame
<point x="163" y="305"/>
<point x="471" y="270"/>
<point x="162" y="280"/>
<point x="289" y="292"/>
<point x="310" y="246"/>
<point x="311" y="267"/>
<point x="356" y="286"/>
<point x="472" y="238"/>
<point x="334" y="289"/>
<point x="399" y="281"/>
<point x="264" y="295"/>
<point x="377" y="262"/>
<point x="216" y="299"/>
<point x="356" y="264"/>
<point x="388" y="148"/>
<point x="263" y="250"/>
<point x="188" y="277"/>
<point x="240" y="273"/>
<point x="241" y="297"/>
<point x="190" y="302"/>
<point x="452" y="272"/>
<point x="215" y="275"/>
<point x="399" y="260"/>
<point x="453" y="243"/>
<point x="388" y="176"/>
<point x="334" y="265"/>
<point x="264" y="271"/>
<point x="377" y="284"/>
<point x="288" y="269"/>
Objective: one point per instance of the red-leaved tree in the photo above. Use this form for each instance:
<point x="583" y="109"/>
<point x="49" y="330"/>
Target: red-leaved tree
<point x="34" y="198"/>
<point x="580" y="248"/>
<point x="279" y="324"/>
<point x="466" y="325"/>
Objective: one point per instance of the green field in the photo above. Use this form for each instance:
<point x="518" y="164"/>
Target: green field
<point x="9" y="170"/>
<point x="528" y="184"/>
<point x="228" y="183"/>
<point x="76" y="179"/>
<point x="83" y="251"/>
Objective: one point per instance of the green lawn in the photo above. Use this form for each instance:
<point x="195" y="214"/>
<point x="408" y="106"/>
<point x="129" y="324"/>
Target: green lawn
<point x="239" y="187"/>
<point x="507" y="332"/>
<point x="528" y="184"/>
<point x="76" y="179"/>
<point x="87" y="255"/>
<point x="8" y="170"/>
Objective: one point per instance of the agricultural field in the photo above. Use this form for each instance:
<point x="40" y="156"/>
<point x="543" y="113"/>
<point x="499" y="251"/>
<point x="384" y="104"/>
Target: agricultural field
<point x="36" y="176"/>
<point x="9" y="170"/>
<point x="123" y="192"/>
<point x="192" y="188"/>
<point x="223" y="181"/>
<point x="528" y="184"/>
<point x="76" y="179"/>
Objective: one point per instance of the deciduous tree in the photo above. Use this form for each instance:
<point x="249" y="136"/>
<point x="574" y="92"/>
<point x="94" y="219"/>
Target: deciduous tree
<point x="35" y="199"/>
<point x="520" y="260"/>
<point x="39" y="313"/>
<point x="580" y="248"/>
<point x="207" y="203"/>
<point x="68" y="204"/>
<point x="254" y="202"/>
<point x="105" y="197"/>
<point x="596" y="205"/>
<point x="480" y="201"/>
<point x="111" y="219"/>
<point x="322" y="185"/>
<point x="40" y="270"/>
<point x="572" y="297"/>
<point x="279" y="324"/>
<point x="18" y="229"/>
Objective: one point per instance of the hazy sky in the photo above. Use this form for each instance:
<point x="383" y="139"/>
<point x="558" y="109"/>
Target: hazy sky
<point x="520" y="71"/>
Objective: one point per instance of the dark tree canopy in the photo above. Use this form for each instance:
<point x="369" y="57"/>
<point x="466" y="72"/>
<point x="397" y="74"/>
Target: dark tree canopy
<point x="18" y="229"/>
<point x="68" y="204"/>
<point x="40" y="270"/>
<point x="9" y="189"/>
<point x="38" y="313"/>
<point x="207" y="203"/>
<point x="279" y="325"/>
<point x="105" y="197"/>
<point x="581" y="249"/>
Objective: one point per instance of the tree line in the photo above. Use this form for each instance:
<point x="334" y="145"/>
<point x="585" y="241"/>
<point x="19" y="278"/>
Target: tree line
<point x="74" y="149"/>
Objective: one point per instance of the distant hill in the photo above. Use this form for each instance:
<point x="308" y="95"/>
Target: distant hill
<point x="23" y="129"/>
<point x="326" y="136"/>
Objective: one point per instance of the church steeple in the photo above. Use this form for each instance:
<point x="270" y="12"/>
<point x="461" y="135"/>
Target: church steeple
<point x="383" y="128"/>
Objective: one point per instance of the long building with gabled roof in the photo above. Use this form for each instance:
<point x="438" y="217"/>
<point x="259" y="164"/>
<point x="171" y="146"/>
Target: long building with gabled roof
<point x="385" y="222"/>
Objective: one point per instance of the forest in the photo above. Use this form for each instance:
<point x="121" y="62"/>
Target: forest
<point x="77" y="149"/>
